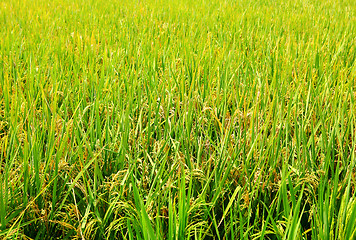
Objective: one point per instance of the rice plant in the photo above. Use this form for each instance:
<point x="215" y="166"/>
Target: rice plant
<point x="187" y="119"/>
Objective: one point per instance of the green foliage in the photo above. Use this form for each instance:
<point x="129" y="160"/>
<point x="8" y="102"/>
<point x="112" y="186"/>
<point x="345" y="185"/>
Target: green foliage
<point x="177" y="119"/>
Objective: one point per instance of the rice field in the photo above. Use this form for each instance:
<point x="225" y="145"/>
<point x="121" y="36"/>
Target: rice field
<point x="186" y="119"/>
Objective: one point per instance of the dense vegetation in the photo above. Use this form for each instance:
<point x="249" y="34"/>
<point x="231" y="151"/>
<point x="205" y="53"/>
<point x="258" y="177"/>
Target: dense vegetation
<point x="179" y="119"/>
